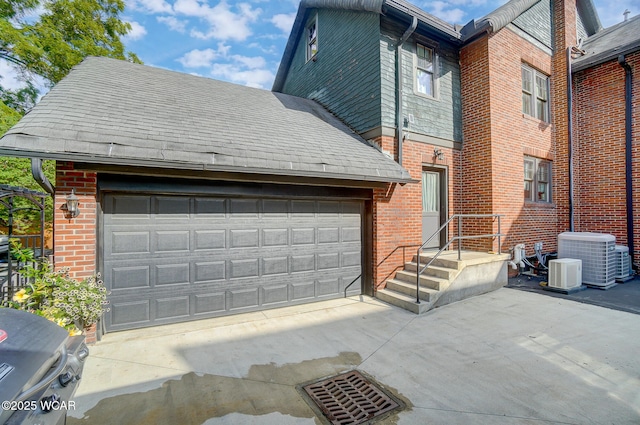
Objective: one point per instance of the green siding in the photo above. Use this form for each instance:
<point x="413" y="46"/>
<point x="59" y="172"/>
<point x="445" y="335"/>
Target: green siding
<point x="439" y="116"/>
<point x="345" y="78"/>
<point x="536" y="23"/>
<point x="582" y="31"/>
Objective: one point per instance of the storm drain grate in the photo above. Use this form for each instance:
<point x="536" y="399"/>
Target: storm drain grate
<point x="350" y="398"/>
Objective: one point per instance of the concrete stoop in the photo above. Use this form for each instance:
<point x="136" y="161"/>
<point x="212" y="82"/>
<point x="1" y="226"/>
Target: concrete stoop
<point x="447" y="280"/>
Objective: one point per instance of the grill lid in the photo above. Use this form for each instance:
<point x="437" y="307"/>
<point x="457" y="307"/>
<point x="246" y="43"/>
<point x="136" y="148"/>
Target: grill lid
<point x="32" y="345"/>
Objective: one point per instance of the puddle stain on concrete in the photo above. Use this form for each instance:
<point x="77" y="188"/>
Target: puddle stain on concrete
<point x="193" y="399"/>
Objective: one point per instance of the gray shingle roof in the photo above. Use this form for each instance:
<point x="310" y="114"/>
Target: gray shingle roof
<point x="113" y="112"/>
<point x="608" y="44"/>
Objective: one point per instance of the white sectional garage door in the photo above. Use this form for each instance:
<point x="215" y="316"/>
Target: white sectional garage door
<point x="169" y="259"/>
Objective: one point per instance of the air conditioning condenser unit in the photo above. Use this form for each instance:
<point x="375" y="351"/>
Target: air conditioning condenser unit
<point x="565" y="273"/>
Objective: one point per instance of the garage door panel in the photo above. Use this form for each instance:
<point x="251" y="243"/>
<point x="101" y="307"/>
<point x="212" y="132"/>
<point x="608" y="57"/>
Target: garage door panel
<point x="243" y="208"/>
<point x="244" y="238"/>
<point x="206" y="304"/>
<point x="127" y="242"/>
<point x="172" y="274"/>
<point x="210" y="239"/>
<point x="130" y="312"/>
<point x="172" y="208"/>
<point x="172" y="241"/>
<point x="172" y="307"/>
<point x="210" y="271"/>
<point x="303" y="289"/>
<point x="303" y="236"/>
<point x="275" y="237"/>
<point x="124" y="208"/>
<point x="129" y="277"/>
<point x="194" y="257"/>
<point x="275" y="294"/>
<point x="242" y="298"/>
<point x="275" y="265"/>
<point x="328" y="235"/>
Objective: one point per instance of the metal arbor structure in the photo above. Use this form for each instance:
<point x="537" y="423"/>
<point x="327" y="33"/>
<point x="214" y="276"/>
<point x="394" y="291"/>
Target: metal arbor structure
<point x="10" y="281"/>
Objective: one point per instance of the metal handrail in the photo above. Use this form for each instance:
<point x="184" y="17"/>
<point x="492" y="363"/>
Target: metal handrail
<point x="455" y="238"/>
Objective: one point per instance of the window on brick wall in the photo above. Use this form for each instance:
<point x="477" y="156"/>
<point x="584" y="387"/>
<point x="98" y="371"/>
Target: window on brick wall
<point x="312" y="38"/>
<point x="425" y="70"/>
<point x="537" y="179"/>
<point x="535" y="93"/>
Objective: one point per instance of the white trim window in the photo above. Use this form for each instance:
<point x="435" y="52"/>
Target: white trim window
<point x="535" y="93"/>
<point x="537" y="179"/>
<point x="425" y="70"/>
<point x="312" y="38"/>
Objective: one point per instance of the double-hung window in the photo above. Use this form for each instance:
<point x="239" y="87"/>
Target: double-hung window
<point x="535" y="93"/>
<point x="425" y="76"/>
<point x="312" y="38"/>
<point x="537" y="180"/>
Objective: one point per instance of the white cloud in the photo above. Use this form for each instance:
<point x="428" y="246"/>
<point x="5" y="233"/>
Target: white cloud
<point x="259" y="78"/>
<point x="203" y="58"/>
<point x="151" y="6"/>
<point x="284" y="21"/>
<point x="250" y="62"/>
<point x="137" y="31"/>
<point x="173" y="23"/>
<point x="224" y="24"/>
<point x="9" y="77"/>
<point x="440" y="9"/>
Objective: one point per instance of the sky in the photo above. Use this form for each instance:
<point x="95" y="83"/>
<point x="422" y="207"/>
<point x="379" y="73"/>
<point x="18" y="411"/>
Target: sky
<point x="242" y="41"/>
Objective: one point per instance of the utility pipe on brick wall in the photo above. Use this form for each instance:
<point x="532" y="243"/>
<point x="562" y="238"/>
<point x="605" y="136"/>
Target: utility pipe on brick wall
<point x="628" y="81"/>
<point x="399" y="112"/>
<point x="570" y="136"/>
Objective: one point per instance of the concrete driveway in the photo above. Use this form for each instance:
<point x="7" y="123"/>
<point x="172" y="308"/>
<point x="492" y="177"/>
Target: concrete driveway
<point x="507" y="357"/>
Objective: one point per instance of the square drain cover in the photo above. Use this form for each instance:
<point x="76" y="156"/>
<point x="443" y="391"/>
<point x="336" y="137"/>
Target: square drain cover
<point x="350" y="398"/>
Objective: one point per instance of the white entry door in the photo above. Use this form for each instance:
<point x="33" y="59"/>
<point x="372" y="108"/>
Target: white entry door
<point x="431" y="206"/>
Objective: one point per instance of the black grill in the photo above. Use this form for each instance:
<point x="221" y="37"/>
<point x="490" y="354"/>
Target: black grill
<point x="350" y="398"/>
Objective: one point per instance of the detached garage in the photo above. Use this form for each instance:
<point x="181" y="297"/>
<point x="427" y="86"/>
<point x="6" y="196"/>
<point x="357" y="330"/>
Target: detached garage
<point x="201" y="198"/>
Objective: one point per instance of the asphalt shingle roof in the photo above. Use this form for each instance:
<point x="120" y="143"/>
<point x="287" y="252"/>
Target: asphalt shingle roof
<point x="620" y="39"/>
<point x="114" y="112"/>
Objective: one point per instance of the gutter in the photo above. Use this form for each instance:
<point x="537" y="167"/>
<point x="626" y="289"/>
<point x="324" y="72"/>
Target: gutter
<point x="570" y="136"/>
<point x="628" y="84"/>
<point x="399" y="112"/>
<point x="38" y="176"/>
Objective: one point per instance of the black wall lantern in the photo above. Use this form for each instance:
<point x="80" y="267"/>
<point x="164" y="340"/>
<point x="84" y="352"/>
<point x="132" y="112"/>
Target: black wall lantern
<point x="71" y="204"/>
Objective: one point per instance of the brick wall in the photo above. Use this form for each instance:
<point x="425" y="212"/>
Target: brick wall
<point x="599" y="117"/>
<point x="397" y="210"/>
<point x="497" y="136"/>
<point x="75" y="238"/>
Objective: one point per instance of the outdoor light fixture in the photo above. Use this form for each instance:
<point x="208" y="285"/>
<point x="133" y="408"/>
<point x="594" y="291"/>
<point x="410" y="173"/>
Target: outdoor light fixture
<point x="438" y="154"/>
<point x="71" y="204"/>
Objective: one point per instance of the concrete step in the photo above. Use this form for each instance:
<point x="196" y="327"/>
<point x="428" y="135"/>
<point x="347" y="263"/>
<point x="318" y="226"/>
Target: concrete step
<point x="437" y="271"/>
<point x="433" y="282"/>
<point x="441" y="261"/>
<point x="409" y="289"/>
<point x="403" y="301"/>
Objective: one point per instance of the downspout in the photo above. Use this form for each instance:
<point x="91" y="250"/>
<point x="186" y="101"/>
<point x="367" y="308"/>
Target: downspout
<point x="570" y="137"/>
<point x="628" y="150"/>
<point x="38" y="175"/>
<point x="399" y="113"/>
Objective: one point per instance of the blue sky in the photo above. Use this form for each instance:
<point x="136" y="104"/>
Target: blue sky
<point x="243" y="41"/>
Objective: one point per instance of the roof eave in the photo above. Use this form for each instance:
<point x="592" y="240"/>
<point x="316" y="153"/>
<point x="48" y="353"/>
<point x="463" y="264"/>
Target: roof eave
<point x="12" y="140"/>
<point x="607" y="56"/>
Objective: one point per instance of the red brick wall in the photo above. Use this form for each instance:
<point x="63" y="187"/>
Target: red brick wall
<point x="599" y="117"/>
<point x="497" y="136"/>
<point x="75" y="238"/>
<point x="397" y="210"/>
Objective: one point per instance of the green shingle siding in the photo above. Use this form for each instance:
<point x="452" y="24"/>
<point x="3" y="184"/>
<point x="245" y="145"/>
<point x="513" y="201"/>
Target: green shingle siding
<point x="440" y="116"/>
<point x="345" y="77"/>
<point x="536" y="23"/>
